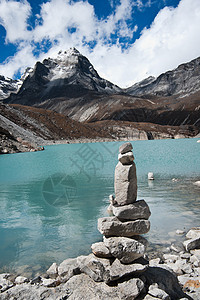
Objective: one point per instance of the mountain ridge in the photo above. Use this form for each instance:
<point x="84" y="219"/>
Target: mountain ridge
<point x="69" y="85"/>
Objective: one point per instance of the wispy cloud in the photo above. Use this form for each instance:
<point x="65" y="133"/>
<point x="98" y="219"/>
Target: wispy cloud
<point x="172" y="38"/>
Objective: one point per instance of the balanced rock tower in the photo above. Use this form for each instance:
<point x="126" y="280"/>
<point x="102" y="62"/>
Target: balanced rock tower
<point x="122" y="244"/>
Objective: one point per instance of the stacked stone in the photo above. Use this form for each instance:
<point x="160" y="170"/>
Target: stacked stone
<point x="122" y="241"/>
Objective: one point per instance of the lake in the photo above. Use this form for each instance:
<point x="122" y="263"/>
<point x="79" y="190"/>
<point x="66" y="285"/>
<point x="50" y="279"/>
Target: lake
<point x="51" y="200"/>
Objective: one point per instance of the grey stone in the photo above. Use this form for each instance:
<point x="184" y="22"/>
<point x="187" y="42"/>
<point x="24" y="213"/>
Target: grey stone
<point x="36" y="280"/>
<point x="33" y="292"/>
<point x="170" y="257"/>
<point x="126" y="147"/>
<point x="135" y="211"/>
<point x="112" y="226"/>
<point x="95" y="267"/>
<point x="20" y="279"/>
<point x="110" y="210"/>
<point x="158" y="293"/>
<point x="81" y="287"/>
<point x="53" y="271"/>
<point x="180" y="232"/>
<point x="183" y="278"/>
<point x="192" y="244"/>
<point x="195" y="260"/>
<point x="125" y="249"/>
<point x="130" y="289"/>
<point x="185" y="255"/>
<point x="119" y="270"/>
<point x="68" y="268"/>
<point x="100" y="250"/>
<point x="193" y="233"/>
<point x="154" y="262"/>
<point x="126" y="158"/>
<point x="149" y="297"/>
<point x="125" y="184"/>
<point x="177" y="247"/>
<point x="49" y="282"/>
<point x="5" y="283"/>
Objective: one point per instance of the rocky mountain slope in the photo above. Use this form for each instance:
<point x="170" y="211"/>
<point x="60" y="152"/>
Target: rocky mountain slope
<point x="69" y="85"/>
<point x="24" y="128"/>
<point x="8" y="86"/>
<point x="180" y="82"/>
<point x="69" y="75"/>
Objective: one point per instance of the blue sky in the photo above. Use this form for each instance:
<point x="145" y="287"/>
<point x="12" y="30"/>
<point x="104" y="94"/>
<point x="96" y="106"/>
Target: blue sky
<point x="126" y="40"/>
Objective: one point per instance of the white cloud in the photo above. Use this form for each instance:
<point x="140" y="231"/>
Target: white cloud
<point x="13" y="17"/>
<point x="172" y="38"/>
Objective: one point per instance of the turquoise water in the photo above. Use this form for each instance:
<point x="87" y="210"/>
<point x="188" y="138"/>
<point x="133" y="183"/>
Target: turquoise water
<point x="51" y="200"/>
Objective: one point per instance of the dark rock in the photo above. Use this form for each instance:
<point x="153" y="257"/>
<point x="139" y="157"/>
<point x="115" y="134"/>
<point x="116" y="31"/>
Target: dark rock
<point x="165" y="280"/>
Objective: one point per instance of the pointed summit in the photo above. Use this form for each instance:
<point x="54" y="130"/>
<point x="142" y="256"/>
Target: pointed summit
<point x="69" y="74"/>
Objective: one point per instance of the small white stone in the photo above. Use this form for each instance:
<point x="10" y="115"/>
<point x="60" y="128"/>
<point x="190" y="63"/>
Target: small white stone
<point x="20" y="279"/>
<point x="48" y="282"/>
<point x="197" y="183"/>
<point x="193" y="233"/>
<point x="150" y="176"/>
<point x="53" y="270"/>
<point x="180" y="232"/>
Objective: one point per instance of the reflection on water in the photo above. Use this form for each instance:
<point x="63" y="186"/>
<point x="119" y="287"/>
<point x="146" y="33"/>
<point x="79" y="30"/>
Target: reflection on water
<point x="51" y="200"/>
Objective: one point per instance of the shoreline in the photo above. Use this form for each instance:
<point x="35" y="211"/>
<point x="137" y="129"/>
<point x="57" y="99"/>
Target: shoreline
<point x="179" y="264"/>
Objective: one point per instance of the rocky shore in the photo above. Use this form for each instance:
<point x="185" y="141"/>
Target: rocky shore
<point x="118" y="267"/>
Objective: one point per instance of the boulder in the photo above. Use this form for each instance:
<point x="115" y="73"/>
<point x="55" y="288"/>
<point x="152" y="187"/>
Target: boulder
<point x="5" y="283"/>
<point x="112" y="226"/>
<point x="119" y="270"/>
<point x="82" y="287"/>
<point x="49" y="282"/>
<point x="68" y="268"/>
<point x="193" y="233"/>
<point x="100" y="250"/>
<point x="125" y="249"/>
<point x="20" y="279"/>
<point x="95" y="267"/>
<point x="135" y="211"/>
<point x="53" y="271"/>
<point x="192" y="244"/>
<point x="125" y="184"/>
<point x="130" y="289"/>
<point x="126" y="158"/>
<point x="126" y="147"/>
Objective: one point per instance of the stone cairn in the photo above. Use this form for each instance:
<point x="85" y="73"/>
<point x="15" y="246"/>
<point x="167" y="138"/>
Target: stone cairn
<point x="122" y="242"/>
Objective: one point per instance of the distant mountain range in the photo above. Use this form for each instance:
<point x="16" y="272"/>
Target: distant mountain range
<point x="69" y="85"/>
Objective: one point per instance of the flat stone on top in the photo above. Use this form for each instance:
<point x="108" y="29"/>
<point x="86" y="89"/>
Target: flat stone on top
<point x="126" y="147"/>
